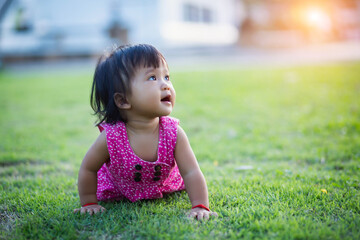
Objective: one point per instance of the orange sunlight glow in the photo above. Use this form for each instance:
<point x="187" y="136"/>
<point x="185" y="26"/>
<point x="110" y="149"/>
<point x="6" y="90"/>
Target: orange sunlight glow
<point x="317" y="17"/>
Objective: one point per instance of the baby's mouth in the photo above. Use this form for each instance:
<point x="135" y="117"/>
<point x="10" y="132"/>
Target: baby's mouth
<point x="166" y="98"/>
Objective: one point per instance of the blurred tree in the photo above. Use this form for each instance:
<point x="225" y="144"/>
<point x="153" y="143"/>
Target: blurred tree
<point x="4" y="6"/>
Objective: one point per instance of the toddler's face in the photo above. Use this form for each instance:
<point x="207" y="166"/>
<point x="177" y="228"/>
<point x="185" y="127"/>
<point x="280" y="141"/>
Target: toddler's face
<point x="152" y="93"/>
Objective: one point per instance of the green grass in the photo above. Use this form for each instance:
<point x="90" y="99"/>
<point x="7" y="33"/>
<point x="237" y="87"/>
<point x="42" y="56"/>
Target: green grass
<point x="298" y="127"/>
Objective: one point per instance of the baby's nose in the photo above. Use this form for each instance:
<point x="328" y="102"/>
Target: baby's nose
<point x="165" y="86"/>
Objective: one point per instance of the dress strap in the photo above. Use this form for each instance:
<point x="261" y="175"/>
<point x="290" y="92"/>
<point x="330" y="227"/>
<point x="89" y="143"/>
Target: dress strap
<point x="167" y="139"/>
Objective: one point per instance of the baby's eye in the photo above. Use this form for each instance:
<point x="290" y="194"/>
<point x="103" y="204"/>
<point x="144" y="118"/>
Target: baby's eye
<point x="167" y="78"/>
<point x="152" y="78"/>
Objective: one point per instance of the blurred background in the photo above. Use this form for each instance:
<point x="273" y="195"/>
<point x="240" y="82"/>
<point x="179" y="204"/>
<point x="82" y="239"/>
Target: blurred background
<point x="186" y="31"/>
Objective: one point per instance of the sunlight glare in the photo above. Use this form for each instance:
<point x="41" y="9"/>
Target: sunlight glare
<point x="316" y="17"/>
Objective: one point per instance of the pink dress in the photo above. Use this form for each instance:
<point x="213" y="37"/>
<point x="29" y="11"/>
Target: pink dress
<point x="126" y="175"/>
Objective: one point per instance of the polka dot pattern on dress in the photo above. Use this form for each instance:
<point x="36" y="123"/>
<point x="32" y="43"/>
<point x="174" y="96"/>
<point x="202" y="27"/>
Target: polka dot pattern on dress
<point x="126" y="175"/>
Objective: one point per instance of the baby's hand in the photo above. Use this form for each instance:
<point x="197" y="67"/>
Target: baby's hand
<point x="91" y="209"/>
<point x="200" y="214"/>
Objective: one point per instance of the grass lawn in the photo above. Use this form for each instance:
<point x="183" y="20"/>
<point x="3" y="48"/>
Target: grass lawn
<point x="279" y="147"/>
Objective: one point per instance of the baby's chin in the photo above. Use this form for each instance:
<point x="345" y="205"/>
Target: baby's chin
<point x="166" y="113"/>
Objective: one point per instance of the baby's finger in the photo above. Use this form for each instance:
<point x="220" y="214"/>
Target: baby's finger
<point x="97" y="210"/>
<point x="200" y="216"/>
<point x="83" y="210"/>
<point x="90" y="211"/>
<point x="76" y="210"/>
<point x="206" y="215"/>
<point x="214" y="214"/>
<point x="192" y="215"/>
<point x="102" y="209"/>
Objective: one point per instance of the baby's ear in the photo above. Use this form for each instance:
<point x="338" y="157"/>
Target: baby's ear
<point x="121" y="101"/>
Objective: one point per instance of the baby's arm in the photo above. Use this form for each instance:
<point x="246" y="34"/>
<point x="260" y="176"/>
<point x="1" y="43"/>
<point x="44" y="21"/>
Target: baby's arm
<point x="194" y="179"/>
<point x="87" y="180"/>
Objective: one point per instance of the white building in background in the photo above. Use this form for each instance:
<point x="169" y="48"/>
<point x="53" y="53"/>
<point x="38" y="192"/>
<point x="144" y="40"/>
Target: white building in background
<point x="86" y="27"/>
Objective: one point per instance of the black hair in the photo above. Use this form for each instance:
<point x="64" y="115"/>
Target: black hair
<point x="113" y="74"/>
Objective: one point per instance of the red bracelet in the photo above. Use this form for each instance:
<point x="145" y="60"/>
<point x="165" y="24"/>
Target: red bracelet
<point x="88" y="204"/>
<point x="201" y="206"/>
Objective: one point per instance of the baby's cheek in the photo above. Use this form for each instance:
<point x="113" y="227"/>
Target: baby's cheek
<point x="173" y="94"/>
